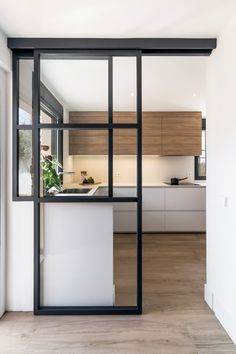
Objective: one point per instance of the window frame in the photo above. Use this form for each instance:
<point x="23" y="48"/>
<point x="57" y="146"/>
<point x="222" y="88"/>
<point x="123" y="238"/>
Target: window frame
<point x="51" y="106"/>
<point x="197" y="176"/>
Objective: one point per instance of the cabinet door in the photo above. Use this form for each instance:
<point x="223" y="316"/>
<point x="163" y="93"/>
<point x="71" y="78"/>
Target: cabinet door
<point x="192" y="221"/>
<point x="152" y="136"/>
<point x="124" y="192"/>
<point x="125" y="140"/>
<point x="125" y="221"/>
<point x="153" y="198"/>
<point x="153" y="221"/>
<point x="88" y="142"/>
<point x="181" y="133"/>
<point x="180" y="198"/>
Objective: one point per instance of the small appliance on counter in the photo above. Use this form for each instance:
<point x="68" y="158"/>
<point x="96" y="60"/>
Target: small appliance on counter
<point x="174" y="181"/>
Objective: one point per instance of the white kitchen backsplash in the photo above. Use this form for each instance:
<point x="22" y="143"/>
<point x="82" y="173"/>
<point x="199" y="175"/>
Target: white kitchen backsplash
<point x="155" y="168"/>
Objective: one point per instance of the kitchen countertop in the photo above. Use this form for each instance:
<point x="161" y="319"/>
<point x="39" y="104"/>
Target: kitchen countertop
<point x="131" y="184"/>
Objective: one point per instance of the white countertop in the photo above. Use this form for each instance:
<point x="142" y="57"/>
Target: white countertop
<point x="132" y="184"/>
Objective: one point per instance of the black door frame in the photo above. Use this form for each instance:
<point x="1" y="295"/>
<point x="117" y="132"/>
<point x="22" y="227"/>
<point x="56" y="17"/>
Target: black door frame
<point x="37" y="126"/>
<point x="34" y="47"/>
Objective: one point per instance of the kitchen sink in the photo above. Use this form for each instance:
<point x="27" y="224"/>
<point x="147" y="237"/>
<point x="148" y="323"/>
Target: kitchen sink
<point x="76" y="190"/>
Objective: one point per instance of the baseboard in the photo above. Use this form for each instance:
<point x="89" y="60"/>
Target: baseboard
<point x="208" y="296"/>
<point x="222" y="314"/>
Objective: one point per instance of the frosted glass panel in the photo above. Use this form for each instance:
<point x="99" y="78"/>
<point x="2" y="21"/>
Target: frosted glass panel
<point x="76" y="254"/>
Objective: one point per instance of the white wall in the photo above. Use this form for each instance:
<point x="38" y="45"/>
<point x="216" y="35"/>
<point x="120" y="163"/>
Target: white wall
<point x="19" y="257"/>
<point x="5" y="54"/>
<point x="3" y="179"/>
<point x="220" y="290"/>
<point x="5" y="65"/>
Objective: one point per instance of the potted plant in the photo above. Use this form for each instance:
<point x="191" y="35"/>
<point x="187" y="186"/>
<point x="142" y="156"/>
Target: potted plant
<point x="51" y="177"/>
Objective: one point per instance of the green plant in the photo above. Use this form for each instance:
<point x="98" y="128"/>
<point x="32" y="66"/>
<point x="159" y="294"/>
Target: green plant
<point x="51" y="177"/>
<point x="90" y="180"/>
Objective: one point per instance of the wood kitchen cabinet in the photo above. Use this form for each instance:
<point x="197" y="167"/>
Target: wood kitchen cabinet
<point x="164" y="133"/>
<point x="181" y="133"/>
<point x="88" y="142"/>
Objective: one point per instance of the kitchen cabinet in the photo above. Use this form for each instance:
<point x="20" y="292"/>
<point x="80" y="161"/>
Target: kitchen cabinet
<point x="185" y="221"/>
<point x="153" y="221"/>
<point x="164" y="133"/>
<point x="181" y="133"/>
<point x="153" y="199"/>
<point x="165" y="209"/>
<point x="177" y="198"/>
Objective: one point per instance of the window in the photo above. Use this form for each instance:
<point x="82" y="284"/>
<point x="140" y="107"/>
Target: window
<point x="51" y="111"/>
<point x="200" y="161"/>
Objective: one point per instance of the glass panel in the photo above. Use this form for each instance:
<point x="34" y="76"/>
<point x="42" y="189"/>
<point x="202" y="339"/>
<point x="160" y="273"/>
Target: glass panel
<point x="76" y="254"/>
<point x="124" y="95"/>
<point x="202" y="166"/>
<point x="203" y="140"/>
<point x="84" y="263"/>
<point x="79" y="85"/>
<point x="25" y="163"/>
<point x="125" y="159"/>
<point x="25" y="91"/>
<point x="125" y="253"/>
<point x="75" y="159"/>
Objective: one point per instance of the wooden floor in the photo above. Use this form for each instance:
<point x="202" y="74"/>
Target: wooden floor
<point x="175" y="321"/>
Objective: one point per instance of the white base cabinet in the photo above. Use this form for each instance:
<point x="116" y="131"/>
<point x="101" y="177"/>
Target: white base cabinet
<point x="165" y="209"/>
<point x="185" y="221"/>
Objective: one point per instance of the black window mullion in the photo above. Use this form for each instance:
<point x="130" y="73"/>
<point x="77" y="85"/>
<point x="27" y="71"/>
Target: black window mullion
<point x="197" y="159"/>
<point x="36" y="155"/>
<point x="15" y="149"/>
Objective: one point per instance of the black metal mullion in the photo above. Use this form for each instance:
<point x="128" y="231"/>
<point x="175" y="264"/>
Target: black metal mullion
<point x="71" y="126"/>
<point x="110" y="131"/>
<point x="36" y="150"/>
<point x="23" y="127"/>
<point x="88" y="310"/>
<point x="92" y="199"/>
<point x="139" y="182"/>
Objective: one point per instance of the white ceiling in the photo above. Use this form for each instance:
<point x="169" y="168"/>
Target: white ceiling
<point x="113" y="18"/>
<point x="169" y="83"/>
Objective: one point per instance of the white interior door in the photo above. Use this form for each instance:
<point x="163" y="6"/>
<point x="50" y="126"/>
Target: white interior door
<point x="3" y="113"/>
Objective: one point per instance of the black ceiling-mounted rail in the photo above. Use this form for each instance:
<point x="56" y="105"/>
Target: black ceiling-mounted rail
<point x="148" y="46"/>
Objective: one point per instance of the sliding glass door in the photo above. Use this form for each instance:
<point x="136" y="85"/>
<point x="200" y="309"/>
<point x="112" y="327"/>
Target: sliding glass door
<point x="83" y="116"/>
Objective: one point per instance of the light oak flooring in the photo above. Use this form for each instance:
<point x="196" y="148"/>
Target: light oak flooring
<point x="175" y="320"/>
